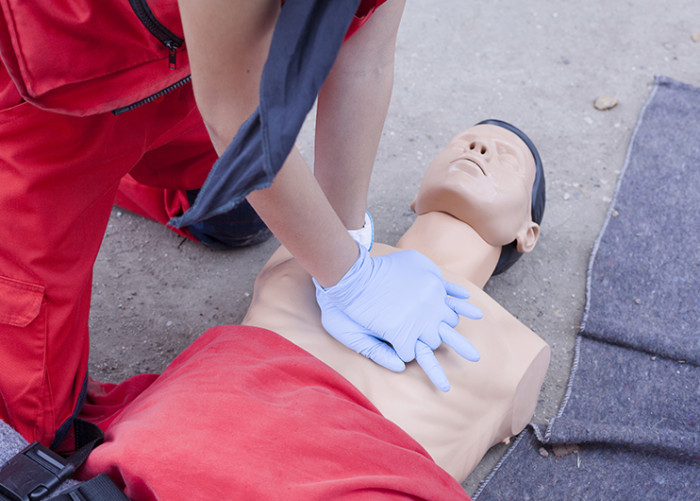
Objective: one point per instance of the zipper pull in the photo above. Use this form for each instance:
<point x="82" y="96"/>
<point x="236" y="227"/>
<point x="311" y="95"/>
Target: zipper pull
<point x="172" y="54"/>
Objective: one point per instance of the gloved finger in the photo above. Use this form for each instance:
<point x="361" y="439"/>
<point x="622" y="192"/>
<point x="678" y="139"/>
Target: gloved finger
<point x="356" y="337"/>
<point x="464" y="308"/>
<point x="405" y="352"/>
<point x="458" y="343"/>
<point x="448" y="315"/>
<point x="432" y="337"/>
<point x="455" y="290"/>
<point x="427" y="361"/>
<point x="382" y="354"/>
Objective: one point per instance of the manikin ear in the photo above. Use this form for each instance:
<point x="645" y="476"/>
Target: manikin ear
<point x="527" y="238"/>
<point x="413" y="205"/>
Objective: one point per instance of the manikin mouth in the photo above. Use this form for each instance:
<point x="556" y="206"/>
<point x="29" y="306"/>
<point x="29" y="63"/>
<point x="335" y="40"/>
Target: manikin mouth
<point x="469" y="161"/>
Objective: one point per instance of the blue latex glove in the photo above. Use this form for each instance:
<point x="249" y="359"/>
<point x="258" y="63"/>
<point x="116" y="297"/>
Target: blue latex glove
<point x="350" y="333"/>
<point x="356" y="337"/>
<point x="359" y="339"/>
<point x="400" y="298"/>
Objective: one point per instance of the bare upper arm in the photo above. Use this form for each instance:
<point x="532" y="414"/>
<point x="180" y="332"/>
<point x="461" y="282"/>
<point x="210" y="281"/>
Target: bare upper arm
<point x="227" y="42"/>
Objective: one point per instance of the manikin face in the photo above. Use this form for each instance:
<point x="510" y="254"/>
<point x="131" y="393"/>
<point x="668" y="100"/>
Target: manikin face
<point x="484" y="177"/>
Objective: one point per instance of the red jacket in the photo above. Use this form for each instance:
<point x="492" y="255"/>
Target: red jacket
<point x="85" y="57"/>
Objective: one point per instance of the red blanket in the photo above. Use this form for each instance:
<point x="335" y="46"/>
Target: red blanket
<point x="245" y="414"/>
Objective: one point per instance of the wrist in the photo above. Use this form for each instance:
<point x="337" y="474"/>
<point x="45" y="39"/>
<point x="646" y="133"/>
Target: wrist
<point x="365" y="235"/>
<point x="345" y="291"/>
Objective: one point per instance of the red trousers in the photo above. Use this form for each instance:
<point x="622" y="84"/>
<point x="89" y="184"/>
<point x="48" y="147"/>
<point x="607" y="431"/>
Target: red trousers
<point x="59" y="176"/>
<point x="244" y="414"/>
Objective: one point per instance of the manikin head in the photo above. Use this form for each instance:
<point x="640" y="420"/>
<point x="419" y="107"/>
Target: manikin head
<point x="489" y="176"/>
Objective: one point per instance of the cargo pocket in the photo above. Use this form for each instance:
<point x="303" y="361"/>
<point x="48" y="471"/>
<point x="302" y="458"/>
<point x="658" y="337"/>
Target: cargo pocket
<point x="23" y="395"/>
<point x="20" y="302"/>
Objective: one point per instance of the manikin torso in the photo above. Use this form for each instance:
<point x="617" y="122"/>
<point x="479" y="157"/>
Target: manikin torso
<point x="489" y="400"/>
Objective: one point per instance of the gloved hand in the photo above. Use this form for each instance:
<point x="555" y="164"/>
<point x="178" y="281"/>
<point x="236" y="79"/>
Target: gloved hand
<point x="359" y="339"/>
<point x="350" y="333"/>
<point x="400" y="298"/>
<point x="356" y="337"/>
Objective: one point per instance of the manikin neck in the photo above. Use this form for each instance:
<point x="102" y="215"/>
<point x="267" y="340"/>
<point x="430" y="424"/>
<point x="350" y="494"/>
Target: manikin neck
<point x="453" y="245"/>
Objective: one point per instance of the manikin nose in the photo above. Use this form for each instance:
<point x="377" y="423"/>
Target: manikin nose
<point x="480" y="148"/>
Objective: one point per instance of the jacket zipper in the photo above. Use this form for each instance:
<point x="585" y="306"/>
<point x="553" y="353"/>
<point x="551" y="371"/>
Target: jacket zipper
<point x="152" y="97"/>
<point x="170" y="40"/>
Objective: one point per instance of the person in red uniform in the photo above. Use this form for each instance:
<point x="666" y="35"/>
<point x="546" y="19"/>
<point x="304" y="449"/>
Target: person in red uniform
<point x="65" y="159"/>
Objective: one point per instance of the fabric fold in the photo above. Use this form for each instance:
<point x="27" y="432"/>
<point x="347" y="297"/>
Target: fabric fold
<point x="305" y="43"/>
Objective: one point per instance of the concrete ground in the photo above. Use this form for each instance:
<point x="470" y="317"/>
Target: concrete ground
<point x="538" y="64"/>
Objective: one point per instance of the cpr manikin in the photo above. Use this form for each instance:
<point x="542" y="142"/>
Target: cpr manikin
<point x="474" y="202"/>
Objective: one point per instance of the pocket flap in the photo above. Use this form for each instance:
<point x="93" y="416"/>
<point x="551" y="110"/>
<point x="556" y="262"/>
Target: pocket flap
<point x="89" y="56"/>
<point x="20" y="302"/>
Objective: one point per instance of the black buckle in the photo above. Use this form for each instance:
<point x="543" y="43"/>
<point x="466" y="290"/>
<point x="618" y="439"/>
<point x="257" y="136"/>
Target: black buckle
<point x="32" y="474"/>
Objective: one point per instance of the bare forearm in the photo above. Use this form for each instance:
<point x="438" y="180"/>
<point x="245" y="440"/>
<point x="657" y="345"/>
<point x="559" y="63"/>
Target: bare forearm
<point x="228" y="43"/>
<point x="351" y="110"/>
<point x="297" y="212"/>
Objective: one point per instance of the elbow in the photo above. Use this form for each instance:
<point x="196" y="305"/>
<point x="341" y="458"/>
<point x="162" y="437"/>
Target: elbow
<point x="221" y="122"/>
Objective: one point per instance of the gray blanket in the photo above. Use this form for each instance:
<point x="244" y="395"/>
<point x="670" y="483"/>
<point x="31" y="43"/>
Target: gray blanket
<point x="628" y="426"/>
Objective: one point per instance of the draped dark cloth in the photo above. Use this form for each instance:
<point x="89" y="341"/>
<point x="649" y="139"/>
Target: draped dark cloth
<point x="305" y="44"/>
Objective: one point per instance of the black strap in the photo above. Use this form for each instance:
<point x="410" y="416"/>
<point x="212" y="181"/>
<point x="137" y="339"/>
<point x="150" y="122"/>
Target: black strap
<point x="87" y="437"/>
<point x="34" y="473"/>
<point x="100" y="488"/>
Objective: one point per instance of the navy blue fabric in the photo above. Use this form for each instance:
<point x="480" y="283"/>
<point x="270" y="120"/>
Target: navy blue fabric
<point x="239" y="227"/>
<point x="305" y="43"/>
<point x="633" y="402"/>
